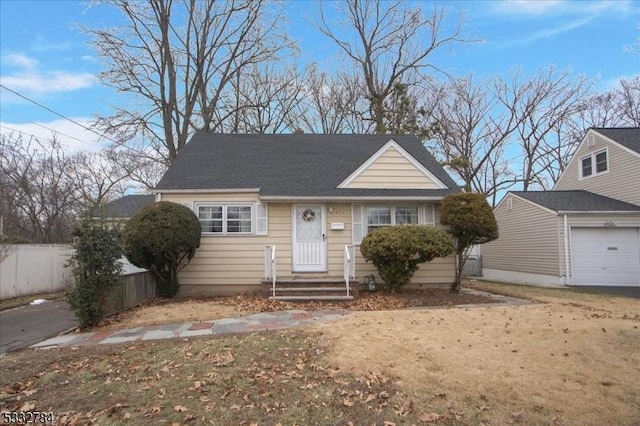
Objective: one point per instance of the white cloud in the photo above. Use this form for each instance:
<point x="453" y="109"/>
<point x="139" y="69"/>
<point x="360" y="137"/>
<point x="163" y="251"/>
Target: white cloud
<point x="73" y="137"/>
<point x="556" y="16"/>
<point x="27" y="77"/>
<point x="544" y="9"/>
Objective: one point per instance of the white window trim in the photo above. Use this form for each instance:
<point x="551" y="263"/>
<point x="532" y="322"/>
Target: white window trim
<point x="224" y="206"/>
<point x="425" y="217"/>
<point x="594" y="172"/>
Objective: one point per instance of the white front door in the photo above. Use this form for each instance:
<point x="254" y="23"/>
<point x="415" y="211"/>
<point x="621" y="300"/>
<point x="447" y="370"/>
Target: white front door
<point x="309" y="238"/>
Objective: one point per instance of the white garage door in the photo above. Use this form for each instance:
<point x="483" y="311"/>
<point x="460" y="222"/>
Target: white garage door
<point x="606" y="256"/>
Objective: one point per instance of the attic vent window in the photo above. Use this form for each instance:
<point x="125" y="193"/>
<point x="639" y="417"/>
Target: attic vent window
<point x="594" y="164"/>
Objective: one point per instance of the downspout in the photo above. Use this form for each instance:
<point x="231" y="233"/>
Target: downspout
<point x="567" y="280"/>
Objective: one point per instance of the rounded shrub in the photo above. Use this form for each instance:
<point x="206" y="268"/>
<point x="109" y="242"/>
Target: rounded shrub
<point x="163" y="238"/>
<point x="397" y="251"/>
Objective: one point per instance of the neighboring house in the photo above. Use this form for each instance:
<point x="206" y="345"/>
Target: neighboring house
<point x="123" y="208"/>
<point x="303" y="201"/>
<point x="586" y="231"/>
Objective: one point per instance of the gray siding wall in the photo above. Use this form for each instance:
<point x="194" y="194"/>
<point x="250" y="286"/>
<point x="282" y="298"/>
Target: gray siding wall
<point x="621" y="182"/>
<point x="529" y="241"/>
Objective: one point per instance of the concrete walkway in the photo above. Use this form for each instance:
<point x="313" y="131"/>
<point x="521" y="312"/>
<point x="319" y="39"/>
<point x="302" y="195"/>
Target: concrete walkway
<point x="277" y="320"/>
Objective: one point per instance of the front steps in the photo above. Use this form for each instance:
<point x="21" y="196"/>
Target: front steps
<point x="300" y="289"/>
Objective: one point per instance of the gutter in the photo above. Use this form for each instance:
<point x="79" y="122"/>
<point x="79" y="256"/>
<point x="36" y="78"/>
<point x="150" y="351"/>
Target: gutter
<point x="567" y="275"/>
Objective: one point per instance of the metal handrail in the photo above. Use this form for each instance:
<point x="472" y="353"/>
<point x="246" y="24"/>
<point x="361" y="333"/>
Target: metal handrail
<point x="347" y="269"/>
<point x="273" y="270"/>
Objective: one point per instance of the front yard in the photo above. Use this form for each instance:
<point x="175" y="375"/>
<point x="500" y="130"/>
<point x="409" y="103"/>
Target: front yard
<point x="573" y="359"/>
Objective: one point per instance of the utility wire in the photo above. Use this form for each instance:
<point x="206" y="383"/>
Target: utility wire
<point x="144" y="154"/>
<point x="59" y="115"/>
<point x="45" y="127"/>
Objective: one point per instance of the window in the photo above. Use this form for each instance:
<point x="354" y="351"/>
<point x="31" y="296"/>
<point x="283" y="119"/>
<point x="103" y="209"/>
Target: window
<point x="594" y="164"/>
<point x="378" y="217"/>
<point x="226" y="219"/>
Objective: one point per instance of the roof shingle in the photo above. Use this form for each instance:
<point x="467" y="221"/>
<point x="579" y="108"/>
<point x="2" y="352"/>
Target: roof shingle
<point x="576" y="201"/>
<point x="627" y="136"/>
<point x="290" y="165"/>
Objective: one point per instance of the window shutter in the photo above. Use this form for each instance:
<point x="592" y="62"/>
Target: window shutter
<point x="428" y="214"/>
<point x="261" y="219"/>
<point x="357" y="225"/>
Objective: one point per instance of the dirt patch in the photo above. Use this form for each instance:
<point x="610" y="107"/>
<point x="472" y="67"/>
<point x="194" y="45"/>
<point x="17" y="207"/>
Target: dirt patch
<point x="192" y="310"/>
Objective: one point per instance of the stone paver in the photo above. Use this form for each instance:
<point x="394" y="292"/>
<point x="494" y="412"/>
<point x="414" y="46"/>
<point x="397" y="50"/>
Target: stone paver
<point x="252" y="323"/>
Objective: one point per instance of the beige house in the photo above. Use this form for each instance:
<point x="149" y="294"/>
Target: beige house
<point x="586" y="231"/>
<point x="291" y="210"/>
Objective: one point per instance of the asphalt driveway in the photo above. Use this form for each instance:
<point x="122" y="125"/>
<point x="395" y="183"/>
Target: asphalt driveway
<point x="24" y="326"/>
<point x="633" y="292"/>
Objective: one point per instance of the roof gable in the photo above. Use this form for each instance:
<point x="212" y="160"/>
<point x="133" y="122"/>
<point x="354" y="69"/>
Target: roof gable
<point x="394" y="168"/>
<point x="291" y="165"/>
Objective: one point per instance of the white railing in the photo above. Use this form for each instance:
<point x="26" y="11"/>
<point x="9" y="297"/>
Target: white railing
<point x="270" y="266"/>
<point x="349" y="267"/>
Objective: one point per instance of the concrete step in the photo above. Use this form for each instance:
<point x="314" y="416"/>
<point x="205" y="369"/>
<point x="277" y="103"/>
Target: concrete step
<point x="310" y="289"/>
<point x="311" y="298"/>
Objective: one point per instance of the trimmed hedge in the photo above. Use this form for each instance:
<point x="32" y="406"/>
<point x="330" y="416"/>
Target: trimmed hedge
<point x="163" y="238"/>
<point x="397" y="251"/>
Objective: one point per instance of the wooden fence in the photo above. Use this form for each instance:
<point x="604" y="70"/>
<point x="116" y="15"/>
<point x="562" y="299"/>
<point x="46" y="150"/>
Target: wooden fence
<point x="136" y="288"/>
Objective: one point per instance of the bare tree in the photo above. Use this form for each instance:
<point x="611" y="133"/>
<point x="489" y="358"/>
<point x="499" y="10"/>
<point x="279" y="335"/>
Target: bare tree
<point x="35" y="173"/>
<point x="265" y="100"/>
<point x="472" y="126"/>
<point x="393" y="46"/>
<point x="331" y="104"/>
<point x="548" y="99"/>
<point x="176" y="61"/>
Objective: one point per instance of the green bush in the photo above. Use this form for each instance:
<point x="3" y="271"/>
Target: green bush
<point x="163" y="238"/>
<point x="471" y="221"/>
<point x="95" y="268"/>
<point x="398" y="250"/>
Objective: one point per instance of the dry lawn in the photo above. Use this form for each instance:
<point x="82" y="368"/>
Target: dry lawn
<point x="574" y="359"/>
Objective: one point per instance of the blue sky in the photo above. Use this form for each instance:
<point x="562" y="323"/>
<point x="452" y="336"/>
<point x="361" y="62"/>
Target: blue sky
<point x="45" y="57"/>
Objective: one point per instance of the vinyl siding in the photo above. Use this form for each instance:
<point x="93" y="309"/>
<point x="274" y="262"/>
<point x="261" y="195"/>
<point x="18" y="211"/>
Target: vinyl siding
<point x="530" y="239"/>
<point x="621" y="182"/>
<point x="392" y="170"/>
<point x="235" y="264"/>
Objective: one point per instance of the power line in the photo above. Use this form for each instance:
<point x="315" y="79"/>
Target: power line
<point x="59" y="115"/>
<point x="48" y="128"/>
<point x="120" y="144"/>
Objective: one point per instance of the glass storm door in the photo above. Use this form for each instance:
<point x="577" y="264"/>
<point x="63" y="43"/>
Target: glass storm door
<point x="309" y="238"/>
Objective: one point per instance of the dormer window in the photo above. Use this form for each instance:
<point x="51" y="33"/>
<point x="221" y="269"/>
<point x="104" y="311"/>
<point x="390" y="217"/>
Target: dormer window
<point x="594" y="164"/>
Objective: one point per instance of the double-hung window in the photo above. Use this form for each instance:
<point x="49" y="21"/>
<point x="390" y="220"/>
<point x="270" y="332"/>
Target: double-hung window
<point x="378" y="217"/>
<point x="226" y="219"/>
<point x="594" y="164"/>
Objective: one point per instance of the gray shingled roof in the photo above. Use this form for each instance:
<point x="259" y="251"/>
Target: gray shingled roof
<point x="126" y="206"/>
<point x="290" y="165"/>
<point x="576" y="201"/>
<point x="627" y="136"/>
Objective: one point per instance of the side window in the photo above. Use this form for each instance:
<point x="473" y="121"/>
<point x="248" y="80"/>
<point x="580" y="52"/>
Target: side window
<point x="586" y="166"/>
<point x="594" y="164"/>
<point x="602" y="164"/>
